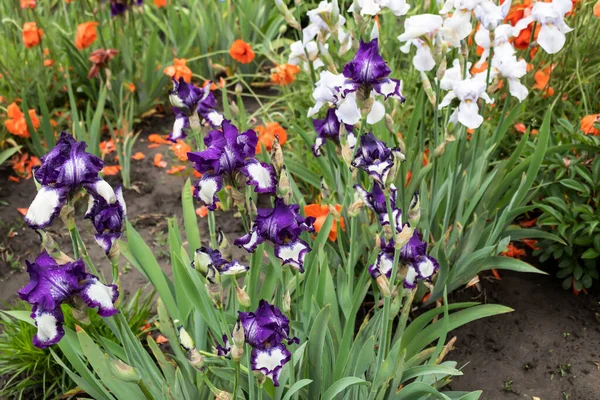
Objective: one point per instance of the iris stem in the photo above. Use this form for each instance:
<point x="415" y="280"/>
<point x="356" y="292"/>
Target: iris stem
<point x="211" y="229"/>
<point x="236" y="379"/>
<point x="145" y="390"/>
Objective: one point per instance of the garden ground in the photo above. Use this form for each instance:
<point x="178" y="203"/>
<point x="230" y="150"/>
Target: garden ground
<point x="548" y="348"/>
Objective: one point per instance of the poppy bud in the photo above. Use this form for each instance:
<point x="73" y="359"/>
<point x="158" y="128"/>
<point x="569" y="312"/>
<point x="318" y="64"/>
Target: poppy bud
<point x="414" y="210"/>
<point x="123" y="371"/>
<point x="242" y="296"/>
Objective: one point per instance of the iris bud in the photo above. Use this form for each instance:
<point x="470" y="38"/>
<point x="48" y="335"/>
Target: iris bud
<point x="404" y="236"/>
<point x="286" y="305"/>
<point x="287" y="15"/>
<point x="414" y="210"/>
<point x="285" y="187"/>
<point x="428" y="89"/>
<point x="123" y="371"/>
<point x="277" y="155"/>
<point x="242" y="296"/>
<point x="185" y="339"/>
<point x="223" y="395"/>
<point x="355" y="208"/>
<point x="224" y="245"/>
<point x="384" y="285"/>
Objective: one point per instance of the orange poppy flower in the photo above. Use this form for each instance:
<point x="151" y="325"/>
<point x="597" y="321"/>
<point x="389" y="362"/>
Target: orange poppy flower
<point x="131" y="87"/>
<point x="320" y="212"/>
<point x="48" y="62"/>
<point x="520" y="127"/>
<point x="513" y="252"/>
<point x="110" y="170"/>
<point x="23" y="165"/>
<point x="475" y="69"/>
<point x="213" y="86"/>
<point x="159" y="162"/>
<point x="284" y="74"/>
<point x="266" y="136"/>
<point x="86" y="35"/>
<point x="31" y="34"/>
<point x="175" y="169"/>
<point x="587" y="124"/>
<point x="597" y="9"/>
<point x="160" y="3"/>
<point x="181" y="149"/>
<point x="542" y="78"/>
<point x="408" y="178"/>
<point x="28" y="4"/>
<point x="138" y="156"/>
<point x="202" y="211"/>
<point x="241" y="52"/>
<point x="16" y="123"/>
<point x="107" y="147"/>
<point x="179" y="69"/>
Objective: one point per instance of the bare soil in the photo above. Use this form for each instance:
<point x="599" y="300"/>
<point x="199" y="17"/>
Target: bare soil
<point x="549" y="347"/>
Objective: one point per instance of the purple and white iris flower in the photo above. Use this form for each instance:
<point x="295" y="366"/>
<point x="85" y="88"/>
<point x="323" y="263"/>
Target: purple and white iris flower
<point x="266" y="330"/>
<point x="118" y="7"/>
<point x="107" y="218"/>
<point x="468" y="91"/>
<point x="64" y="170"/>
<point x="413" y="255"/>
<point x="228" y="152"/>
<point x="188" y="99"/>
<point x="281" y="225"/>
<point x="375" y="157"/>
<point x="374" y="7"/>
<point x="551" y="16"/>
<point x="52" y="284"/>
<point x="329" y="128"/>
<point x="376" y="201"/>
<point x="210" y="262"/>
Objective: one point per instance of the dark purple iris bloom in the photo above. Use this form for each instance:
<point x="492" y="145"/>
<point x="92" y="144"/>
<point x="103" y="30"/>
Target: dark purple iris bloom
<point x="52" y="284"/>
<point x="328" y="127"/>
<point x="375" y="157"/>
<point x="186" y="99"/>
<point x="108" y="219"/>
<point x="209" y="262"/>
<point x="282" y="225"/>
<point x="419" y="265"/>
<point x="370" y="71"/>
<point x="64" y="170"/>
<point x="227" y="152"/>
<point x="375" y="200"/>
<point x="118" y="7"/>
<point x="265" y="330"/>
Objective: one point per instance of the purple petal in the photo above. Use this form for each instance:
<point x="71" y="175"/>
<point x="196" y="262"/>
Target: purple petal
<point x="265" y="326"/>
<point x="270" y="361"/>
<point x="96" y="294"/>
<point x="293" y="253"/>
<point x="367" y="67"/>
<point x="261" y="175"/>
<point x="414" y="248"/>
<point x="50" y="326"/>
<point x="46" y="206"/>
<point x="207" y="188"/>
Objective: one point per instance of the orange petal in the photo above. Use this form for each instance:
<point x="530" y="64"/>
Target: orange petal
<point x="160" y="339"/>
<point x="158" y="161"/>
<point x="110" y="170"/>
<point x="202" y="211"/>
<point x="138" y="156"/>
<point x="153" y="145"/>
<point x="175" y="169"/>
<point x="13" y="178"/>
<point x="23" y="211"/>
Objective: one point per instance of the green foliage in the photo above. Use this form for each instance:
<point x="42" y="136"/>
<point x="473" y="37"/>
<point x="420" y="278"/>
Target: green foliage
<point x="570" y="207"/>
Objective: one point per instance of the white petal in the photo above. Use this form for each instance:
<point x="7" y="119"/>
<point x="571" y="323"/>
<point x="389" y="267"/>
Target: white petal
<point x="45" y="206"/>
<point x="206" y="190"/>
<point x="376" y="114"/>
<point x="468" y="115"/>
<point x="348" y="111"/>
<point x="411" y="277"/>
<point x="103" y="188"/>
<point x="178" y="126"/>
<point x="215" y="118"/>
<point x="551" y="39"/>
<point x="423" y="60"/>
<point x="100" y="294"/>
<point x="426" y="267"/>
<point x="260" y="174"/>
<point x="517" y="89"/>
